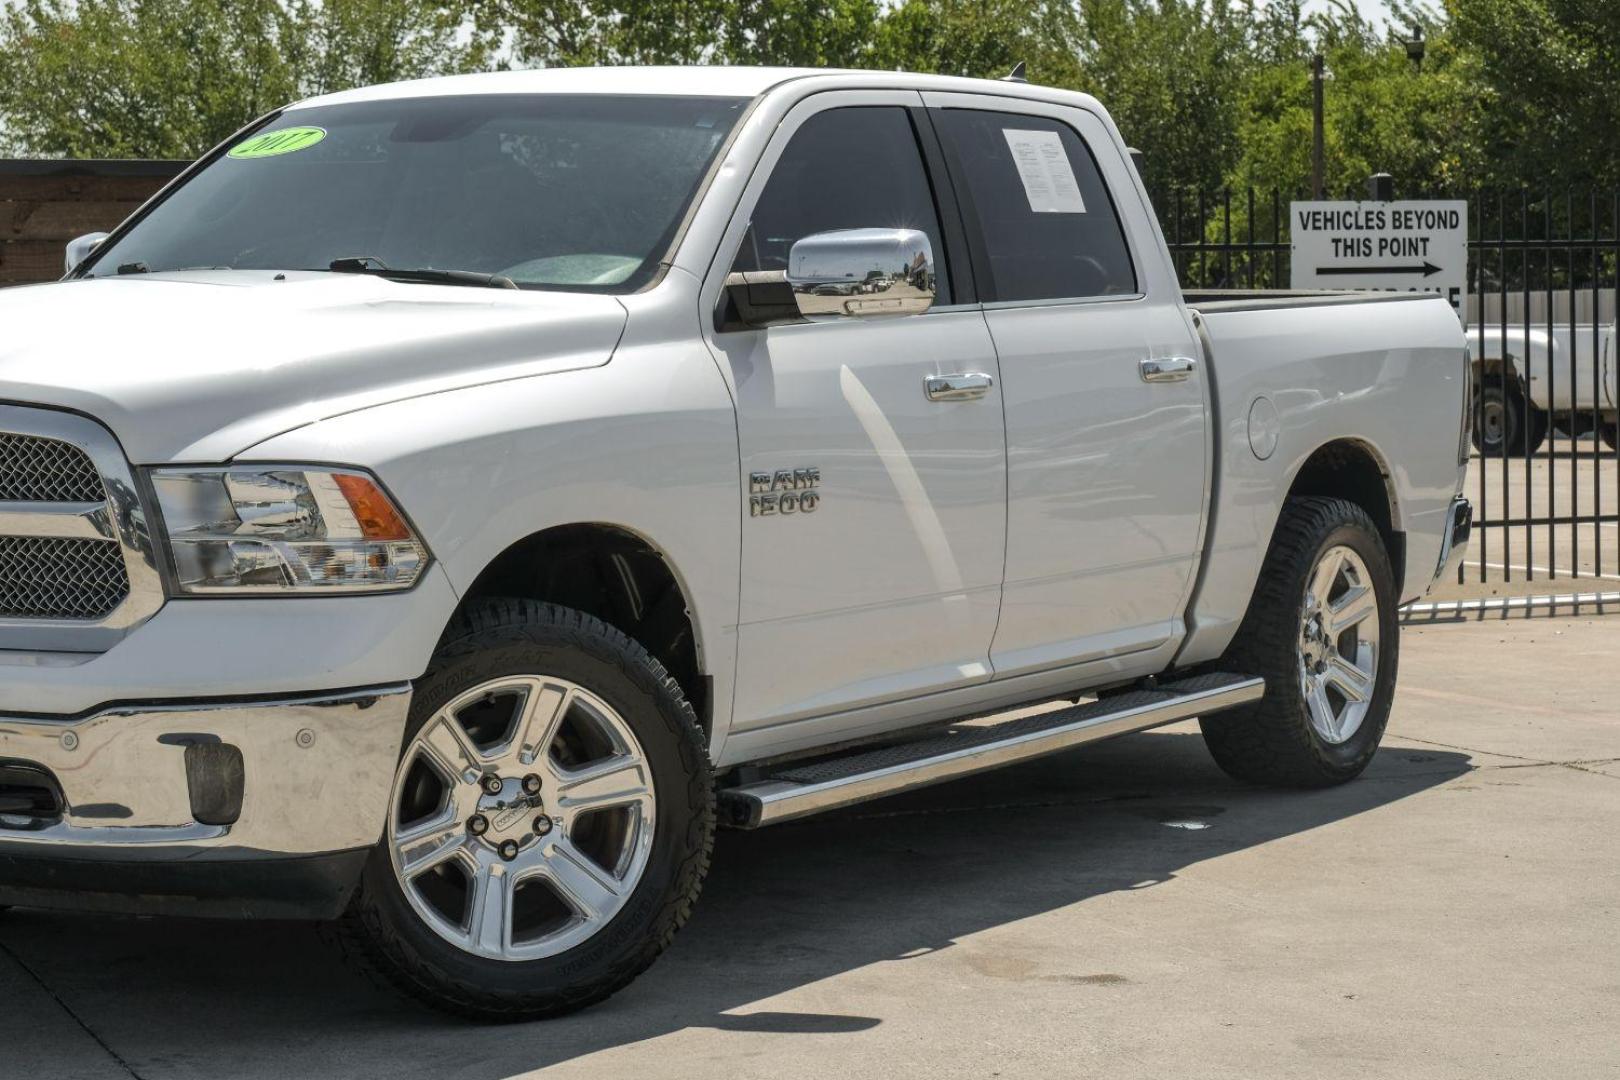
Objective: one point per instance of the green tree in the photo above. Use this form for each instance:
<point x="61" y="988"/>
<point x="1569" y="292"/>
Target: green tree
<point x="801" y="33"/>
<point x="1550" y="75"/>
<point x="335" y="46"/>
<point x="1382" y="113"/>
<point x="981" y="39"/>
<point x="171" y="78"/>
<point x="559" y="33"/>
<point x="568" y="33"/>
<point x="112" y="78"/>
<point x="1172" y="73"/>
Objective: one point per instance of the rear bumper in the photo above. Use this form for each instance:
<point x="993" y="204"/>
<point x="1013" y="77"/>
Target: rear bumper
<point x="198" y="805"/>
<point x="1454" y="544"/>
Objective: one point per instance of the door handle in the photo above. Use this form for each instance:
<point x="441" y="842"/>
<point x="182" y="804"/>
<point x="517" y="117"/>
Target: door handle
<point x="965" y="386"/>
<point x="1175" y="369"/>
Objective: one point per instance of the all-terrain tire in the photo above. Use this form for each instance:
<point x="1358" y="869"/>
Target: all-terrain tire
<point x="518" y="637"/>
<point x="1273" y="742"/>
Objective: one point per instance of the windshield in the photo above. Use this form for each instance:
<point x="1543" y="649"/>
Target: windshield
<point x="552" y="191"/>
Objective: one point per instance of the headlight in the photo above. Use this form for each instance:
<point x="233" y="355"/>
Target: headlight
<point x="269" y="529"/>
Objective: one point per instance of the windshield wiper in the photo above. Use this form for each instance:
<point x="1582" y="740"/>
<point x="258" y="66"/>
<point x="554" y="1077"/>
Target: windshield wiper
<point x="370" y="264"/>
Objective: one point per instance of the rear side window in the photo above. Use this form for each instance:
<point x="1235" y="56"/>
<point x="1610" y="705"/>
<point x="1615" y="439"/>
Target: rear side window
<point x="849" y="168"/>
<point x="1049" y="228"/>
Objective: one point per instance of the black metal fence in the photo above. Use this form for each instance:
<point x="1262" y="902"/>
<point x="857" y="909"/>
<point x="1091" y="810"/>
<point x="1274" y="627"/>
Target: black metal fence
<point x="1544" y="273"/>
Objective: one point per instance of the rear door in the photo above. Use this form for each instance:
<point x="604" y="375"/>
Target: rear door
<point x="884" y="580"/>
<point x="1105" y="400"/>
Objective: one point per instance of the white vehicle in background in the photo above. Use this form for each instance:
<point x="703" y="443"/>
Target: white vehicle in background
<point x="446" y="500"/>
<point x="1529" y="383"/>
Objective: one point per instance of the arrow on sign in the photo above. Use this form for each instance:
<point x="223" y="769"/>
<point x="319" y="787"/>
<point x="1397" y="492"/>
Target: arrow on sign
<point x="1428" y="269"/>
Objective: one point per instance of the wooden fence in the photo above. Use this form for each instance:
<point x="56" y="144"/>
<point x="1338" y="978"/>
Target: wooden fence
<point x="44" y="204"/>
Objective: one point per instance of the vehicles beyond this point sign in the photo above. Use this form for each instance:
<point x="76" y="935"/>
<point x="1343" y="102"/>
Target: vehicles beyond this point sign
<point x="1413" y="246"/>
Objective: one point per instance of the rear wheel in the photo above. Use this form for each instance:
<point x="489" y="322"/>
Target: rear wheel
<point x="1609" y="432"/>
<point x="550" y="824"/>
<point x="1322" y="630"/>
<point x="1504" y="418"/>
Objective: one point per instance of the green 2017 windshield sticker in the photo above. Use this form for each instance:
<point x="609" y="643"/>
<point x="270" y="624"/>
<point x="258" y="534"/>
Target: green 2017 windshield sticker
<point x="276" y="143"/>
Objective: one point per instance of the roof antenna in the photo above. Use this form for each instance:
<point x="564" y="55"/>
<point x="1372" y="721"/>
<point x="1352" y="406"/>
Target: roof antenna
<point x="1017" y="74"/>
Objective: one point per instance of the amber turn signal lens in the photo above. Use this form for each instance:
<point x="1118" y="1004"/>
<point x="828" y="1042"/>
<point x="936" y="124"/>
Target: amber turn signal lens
<point x="376" y="516"/>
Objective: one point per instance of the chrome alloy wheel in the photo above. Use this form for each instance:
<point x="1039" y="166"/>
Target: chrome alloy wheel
<point x="522" y="818"/>
<point x="1338" y="644"/>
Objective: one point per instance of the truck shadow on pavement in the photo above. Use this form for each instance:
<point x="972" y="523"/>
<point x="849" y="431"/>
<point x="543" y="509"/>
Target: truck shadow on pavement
<point x="783" y="908"/>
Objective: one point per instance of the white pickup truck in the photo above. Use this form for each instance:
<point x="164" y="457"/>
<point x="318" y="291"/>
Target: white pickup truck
<point x="1528" y="380"/>
<point x="446" y="500"/>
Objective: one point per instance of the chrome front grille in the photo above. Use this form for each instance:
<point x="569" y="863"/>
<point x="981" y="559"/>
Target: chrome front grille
<point x="76" y="565"/>
<point x="55" y="578"/>
<point x="33" y="469"/>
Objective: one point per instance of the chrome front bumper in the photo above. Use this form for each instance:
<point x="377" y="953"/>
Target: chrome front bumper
<point x="1454" y="545"/>
<point x="228" y="781"/>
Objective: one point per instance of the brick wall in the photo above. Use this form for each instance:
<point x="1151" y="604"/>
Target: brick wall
<point x="44" y="204"/>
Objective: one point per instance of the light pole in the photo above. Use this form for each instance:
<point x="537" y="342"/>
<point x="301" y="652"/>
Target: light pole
<point x="1319" y="75"/>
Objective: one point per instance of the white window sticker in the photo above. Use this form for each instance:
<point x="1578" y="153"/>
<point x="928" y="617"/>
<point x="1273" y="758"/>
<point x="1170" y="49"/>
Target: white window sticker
<point x="1044" y="168"/>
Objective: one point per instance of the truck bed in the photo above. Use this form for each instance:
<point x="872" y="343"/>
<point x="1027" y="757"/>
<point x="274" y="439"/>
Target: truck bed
<point x="1290" y="373"/>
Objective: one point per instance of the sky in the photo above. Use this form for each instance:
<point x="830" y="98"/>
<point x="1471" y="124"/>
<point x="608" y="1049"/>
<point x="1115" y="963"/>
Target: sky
<point x="1374" y="9"/>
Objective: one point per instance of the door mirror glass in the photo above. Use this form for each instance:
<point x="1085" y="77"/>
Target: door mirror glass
<point x="862" y="273"/>
<point x="79" y="250"/>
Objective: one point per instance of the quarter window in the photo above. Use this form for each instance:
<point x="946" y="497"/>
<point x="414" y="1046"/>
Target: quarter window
<point x="850" y="168"/>
<point x="1049" y="228"/>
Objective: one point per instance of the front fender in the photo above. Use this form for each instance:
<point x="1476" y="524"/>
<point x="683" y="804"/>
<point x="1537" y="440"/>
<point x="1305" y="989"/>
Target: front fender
<point x="646" y="443"/>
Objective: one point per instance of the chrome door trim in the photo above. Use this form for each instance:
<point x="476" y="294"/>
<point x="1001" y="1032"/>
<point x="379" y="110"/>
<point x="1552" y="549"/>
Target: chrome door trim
<point x="1064" y="301"/>
<point x="1170" y="369"/>
<point x="965" y="386"/>
<point x="122" y="518"/>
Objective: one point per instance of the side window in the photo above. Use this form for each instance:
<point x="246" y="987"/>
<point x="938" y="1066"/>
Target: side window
<point x="850" y="168"/>
<point x="1049" y="228"/>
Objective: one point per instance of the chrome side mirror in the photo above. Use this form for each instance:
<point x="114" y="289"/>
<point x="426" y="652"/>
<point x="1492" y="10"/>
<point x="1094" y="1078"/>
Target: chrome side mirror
<point x="80" y="249"/>
<point x="862" y="273"/>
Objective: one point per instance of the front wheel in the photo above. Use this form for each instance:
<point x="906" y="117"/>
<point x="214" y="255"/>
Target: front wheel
<point x="1322" y="630"/>
<point x="550" y="824"/>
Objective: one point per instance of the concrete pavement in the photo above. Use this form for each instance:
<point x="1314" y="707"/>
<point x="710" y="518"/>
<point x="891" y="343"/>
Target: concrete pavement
<point x="1120" y="911"/>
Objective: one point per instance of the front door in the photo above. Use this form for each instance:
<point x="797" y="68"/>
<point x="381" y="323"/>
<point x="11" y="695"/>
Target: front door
<point x="873" y="528"/>
<point x="1106" y="432"/>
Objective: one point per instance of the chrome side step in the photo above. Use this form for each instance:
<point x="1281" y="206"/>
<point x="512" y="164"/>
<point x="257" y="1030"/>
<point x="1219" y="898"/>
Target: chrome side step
<point x="796" y="791"/>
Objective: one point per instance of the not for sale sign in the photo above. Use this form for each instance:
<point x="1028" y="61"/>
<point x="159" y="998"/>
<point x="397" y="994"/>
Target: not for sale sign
<point x="1411" y="246"/>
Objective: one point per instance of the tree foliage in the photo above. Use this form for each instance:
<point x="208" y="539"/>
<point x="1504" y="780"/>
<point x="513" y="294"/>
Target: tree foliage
<point x="982" y="39"/>
<point x="1171" y="73"/>
<point x="1383" y="113"/>
<point x="1213" y="91"/>
<point x="171" y="78"/>
<point x="1549" y="78"/>
<point x="556" y="33"/>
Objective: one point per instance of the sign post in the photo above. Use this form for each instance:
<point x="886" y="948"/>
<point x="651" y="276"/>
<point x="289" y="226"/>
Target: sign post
<point x="1408" y="246"/>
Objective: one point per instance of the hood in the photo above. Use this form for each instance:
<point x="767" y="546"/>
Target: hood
<point x="197" y="366"/>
